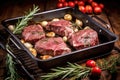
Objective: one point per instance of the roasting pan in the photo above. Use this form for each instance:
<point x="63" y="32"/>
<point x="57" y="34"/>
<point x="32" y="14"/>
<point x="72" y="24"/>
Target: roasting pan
<point x="106" y="38"/>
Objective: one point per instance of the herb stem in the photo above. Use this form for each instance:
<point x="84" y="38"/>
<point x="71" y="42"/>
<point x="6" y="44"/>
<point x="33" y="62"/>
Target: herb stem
<point x="21" y="24"/>
<point x="12" y="75"/>
<point x="73" y="70"/>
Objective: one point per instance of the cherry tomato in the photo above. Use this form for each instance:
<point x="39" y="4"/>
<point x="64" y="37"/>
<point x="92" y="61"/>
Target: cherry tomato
<point x="62" y="1"/>
<point x="97" y="10"/>
<point x="96" y="71"/>
<point x="101" y="5"/>
<point x="90" y="63"/>
<point x="90" y="1"/>
<point x="76" y="2"/>
<point x="82" y="9"/>
<point x="94" y="4"/>
<point x="71" y="4"/>
<point x="88" y="9"/>
<point x="65" y="4"/>
<point x="81" y="3"/>
<point x="59" y="5"/>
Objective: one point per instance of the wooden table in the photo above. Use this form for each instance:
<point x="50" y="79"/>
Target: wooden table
<point x="15" y="8"/>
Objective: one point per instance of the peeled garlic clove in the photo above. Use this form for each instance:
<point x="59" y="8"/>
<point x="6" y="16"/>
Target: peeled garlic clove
<point x="87" y="27"/>
<point x="33" y="51"/>
<point x="22" y="41"/>
<point x="11" y="27"/>
<point x="75" y="30"/>
<point x="65" y="38"/>
<point x="79" y="23"/>
<point x="28" y="45"/>
<point x="68" y="17"/>
<point x="55" y="19"/>
<point x="50" y="34"/>
<point x="44" y="57"/>
<point x="44" y="23"/>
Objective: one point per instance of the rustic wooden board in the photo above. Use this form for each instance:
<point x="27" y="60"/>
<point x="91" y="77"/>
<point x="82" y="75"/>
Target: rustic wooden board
<point x="51" y="4"/>
<point x="13" y="8"/>
<point x="115" y="22"/>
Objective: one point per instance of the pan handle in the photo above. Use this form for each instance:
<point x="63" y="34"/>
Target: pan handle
<point x="3" y="47"/>
<point x="31" y="77"/>
<point x="108" y="27"/>
<point x="102" y="21"/>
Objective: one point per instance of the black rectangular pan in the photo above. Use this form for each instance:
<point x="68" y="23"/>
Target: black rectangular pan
<point x="106" y="38"/>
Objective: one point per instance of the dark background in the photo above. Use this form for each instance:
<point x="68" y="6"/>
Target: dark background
<point x="15" y="8"/>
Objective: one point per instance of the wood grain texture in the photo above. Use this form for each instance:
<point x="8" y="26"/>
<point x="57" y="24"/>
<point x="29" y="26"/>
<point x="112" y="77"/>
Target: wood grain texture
<point x="112" y="10"/>
<point x="11" y="9"/>
<point x="15" y="8"/>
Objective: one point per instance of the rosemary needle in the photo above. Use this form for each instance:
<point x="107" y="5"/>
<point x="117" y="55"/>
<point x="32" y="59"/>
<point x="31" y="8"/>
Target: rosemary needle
<point x="72" y="70"/>
<point x="75" y="71"/>
<point x="21" y="24"/>
<point x="12" y="75"/>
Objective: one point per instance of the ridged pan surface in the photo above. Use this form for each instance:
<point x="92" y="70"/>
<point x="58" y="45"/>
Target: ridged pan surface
<point x="106" y="38"/>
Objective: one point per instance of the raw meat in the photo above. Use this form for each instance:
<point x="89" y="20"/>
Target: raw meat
<point x="33" y="33"/>
<point x="61" y="27"/>
<point x="84" y="38"/>
<point x="52" y="46"/>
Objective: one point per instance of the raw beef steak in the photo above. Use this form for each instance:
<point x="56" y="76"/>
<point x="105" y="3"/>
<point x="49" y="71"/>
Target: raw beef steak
<point x="61" y="27"/>
<point x="33" y="33"/>
<point x="84" y="38"/>
<point x="52" y="46"/>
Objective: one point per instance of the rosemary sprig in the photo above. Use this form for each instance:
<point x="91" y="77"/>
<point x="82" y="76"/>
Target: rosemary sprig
<point x="23" y="22"/>
<point x="12" y="75"/>
<point x="109" y="65"/>
<point x="72" y="70"/>
<point x="75" y="71"/>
